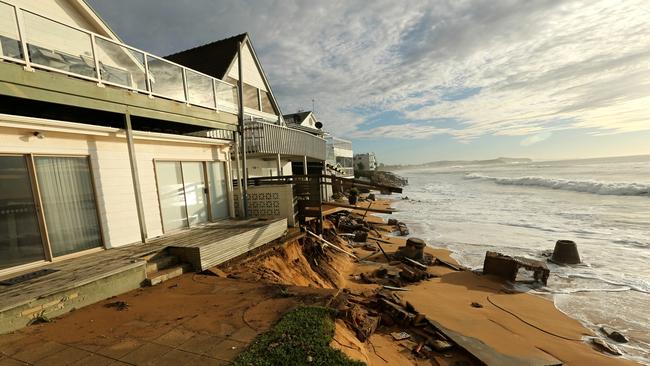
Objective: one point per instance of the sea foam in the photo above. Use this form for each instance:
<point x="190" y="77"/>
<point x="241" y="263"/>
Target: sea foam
<point x="588" y="186"/>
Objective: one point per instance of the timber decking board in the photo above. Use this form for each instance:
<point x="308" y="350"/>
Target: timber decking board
<point x="73" y="273"/>
<point x="205" y="251"/>
<point x="214" y="241"/>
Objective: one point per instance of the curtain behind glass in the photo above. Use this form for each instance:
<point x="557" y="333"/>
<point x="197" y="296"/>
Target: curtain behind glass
<point x="68" y="203"/>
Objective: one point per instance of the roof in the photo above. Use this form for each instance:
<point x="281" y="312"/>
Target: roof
<point x="297" y="126"/>
<point x="297" y="117"/>
<point x="224" y="52"/>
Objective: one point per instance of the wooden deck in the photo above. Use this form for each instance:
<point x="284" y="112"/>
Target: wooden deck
<point x="96" y="276"/>
<point x="213" y="244"/>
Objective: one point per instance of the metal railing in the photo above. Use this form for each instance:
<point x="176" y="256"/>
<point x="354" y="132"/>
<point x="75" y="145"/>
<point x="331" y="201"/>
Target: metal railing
<point x="37" y="41"/>
<point x="268" y="138"/>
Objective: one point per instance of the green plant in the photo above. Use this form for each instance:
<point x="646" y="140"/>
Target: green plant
<point x="301" y="337"/>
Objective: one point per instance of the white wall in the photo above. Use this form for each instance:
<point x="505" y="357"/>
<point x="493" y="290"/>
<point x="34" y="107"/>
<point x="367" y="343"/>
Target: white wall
<point x="252" y="74"/>
<point x="264" y="168"/>
<point x="112" y="173"/>
<point x="63" y="11"/>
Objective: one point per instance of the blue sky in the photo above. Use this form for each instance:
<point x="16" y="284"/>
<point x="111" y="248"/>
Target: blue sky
<point x="420" y="81"/>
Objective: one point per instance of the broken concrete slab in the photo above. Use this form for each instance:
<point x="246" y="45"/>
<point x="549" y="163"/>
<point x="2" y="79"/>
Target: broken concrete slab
<point x="414" y="249"/>
<point x="614" y="334"/>
<point x="506" y="267"/>
<point x="603" y="346"/>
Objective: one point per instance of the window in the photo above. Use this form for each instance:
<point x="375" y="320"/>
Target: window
<point x="185" y="198"/>
<point x="69" y="210"/>
<point x="266" y="103"/>
<point x="251" y="99"/>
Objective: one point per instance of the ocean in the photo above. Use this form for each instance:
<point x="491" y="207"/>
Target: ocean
<point x="524" y="208"/>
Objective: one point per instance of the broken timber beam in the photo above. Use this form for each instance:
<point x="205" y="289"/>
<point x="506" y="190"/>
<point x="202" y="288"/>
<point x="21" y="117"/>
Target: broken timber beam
<point x="370" y="209"/>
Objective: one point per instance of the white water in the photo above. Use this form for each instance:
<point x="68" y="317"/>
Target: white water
<point x="522" y="209"/>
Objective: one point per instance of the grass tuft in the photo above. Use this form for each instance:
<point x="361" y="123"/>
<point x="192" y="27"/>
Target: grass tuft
<point x="302" y="337"/>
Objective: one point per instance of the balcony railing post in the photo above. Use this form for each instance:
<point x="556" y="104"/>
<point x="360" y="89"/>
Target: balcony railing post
<point x="146" y="73"/>
<point x="187" y="94"/>
<point x="93" y="47"/>
<point x="22" y="35"/>
<point x="214" y="92"/>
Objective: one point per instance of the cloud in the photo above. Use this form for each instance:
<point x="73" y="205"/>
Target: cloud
<point x="533" y="139"/>
<point x="510" y="68"/>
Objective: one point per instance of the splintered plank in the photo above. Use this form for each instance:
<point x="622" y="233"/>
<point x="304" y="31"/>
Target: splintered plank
<point x="362" y="208"/>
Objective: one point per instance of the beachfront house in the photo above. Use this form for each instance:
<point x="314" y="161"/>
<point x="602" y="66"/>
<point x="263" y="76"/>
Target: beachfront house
<point x="273" y="146"/>
<point x="365" y="161"/>
<point x="100" y="143"/>
<point x="103" y="145"/>
<point x="339" y="161"/>
<point x="306" y="121"/>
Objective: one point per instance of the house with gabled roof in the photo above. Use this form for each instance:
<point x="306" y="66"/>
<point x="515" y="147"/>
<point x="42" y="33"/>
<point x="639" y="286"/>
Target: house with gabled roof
<point x="304" y="121"/>
<point x="107" y="146"/>
<point x="273" y="146"/>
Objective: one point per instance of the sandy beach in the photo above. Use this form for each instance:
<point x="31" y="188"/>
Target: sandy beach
<point x="212" y="317"/>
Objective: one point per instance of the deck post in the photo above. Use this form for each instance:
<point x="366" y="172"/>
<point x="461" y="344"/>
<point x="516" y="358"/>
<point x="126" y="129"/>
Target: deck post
<point x="240" y="85"/>
<point x="238" y="176"/>
<point x="279" y="161"/>
<point x="135" y="177"/>
<point x="304" y="165"/>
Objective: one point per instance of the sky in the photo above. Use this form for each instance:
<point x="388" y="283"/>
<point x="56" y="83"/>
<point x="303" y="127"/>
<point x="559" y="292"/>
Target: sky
<point x="418" y="81"/>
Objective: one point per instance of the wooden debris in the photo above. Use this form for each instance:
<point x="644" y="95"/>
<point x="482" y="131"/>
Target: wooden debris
<point x="440" y="345"/>
<point x="214" y="271"/>
<point x="415" y="263"/>
<point x="396" y="312"/>
<point x="363" y="323"/>
<point x="412" y="274"/>
<point x="446" y="263"/>
<point x="395" y="288"/>
<point x="327" y="243"/>
<point x="398" y="336"/>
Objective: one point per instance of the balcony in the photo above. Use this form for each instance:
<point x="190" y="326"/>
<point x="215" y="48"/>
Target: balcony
<point x="38" y="42"/>
<point x="264" y="138"/>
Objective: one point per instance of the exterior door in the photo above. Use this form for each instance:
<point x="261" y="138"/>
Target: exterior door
<point x="20" y="235"/>
<point x="182" y="194"/>
<point x="218" y="190"/>
<point x="195" y="192"/>
<point x="171" y="195"/>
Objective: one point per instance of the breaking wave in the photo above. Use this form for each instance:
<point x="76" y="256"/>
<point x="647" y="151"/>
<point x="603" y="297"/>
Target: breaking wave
<point x="588" y="186"/>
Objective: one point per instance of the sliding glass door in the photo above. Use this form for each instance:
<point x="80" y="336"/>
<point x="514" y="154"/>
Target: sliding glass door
<point x="171" y="195"/>
<point x="191" y="193"/>
<point x="20" y="235"/>
<point x="68" y="199"/>
<point x="67" y="223"/>
<point x="195" y="193"/>
<point x="218" y="190"/>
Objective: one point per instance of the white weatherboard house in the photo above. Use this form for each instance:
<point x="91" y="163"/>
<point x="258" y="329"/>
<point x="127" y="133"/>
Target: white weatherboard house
<point x="340" y="157"/>
<point x="365" y="161"/>
<point x="273" y="146"/>
<point x="98" y="145"/>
